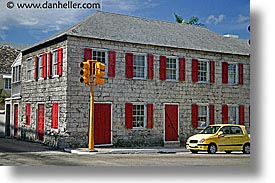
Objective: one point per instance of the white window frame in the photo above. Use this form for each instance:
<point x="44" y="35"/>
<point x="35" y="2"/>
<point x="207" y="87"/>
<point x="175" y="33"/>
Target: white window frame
<point x="54" y="63"/>
<point x="40" y="67"/>
<point x="177" y="68"/>
<point x="144" y="116"/>
<point x="29" y="69"/>
<point x="7" y="83"/>
<point x="207" y="116"/>
<point x="207" y="71"/>
<point x="16" y="73"/>
<point x="145" y="65"/>
<point x="236" y="107"/>
<point x="106" y="58"/>
<point x="236" y="74"/>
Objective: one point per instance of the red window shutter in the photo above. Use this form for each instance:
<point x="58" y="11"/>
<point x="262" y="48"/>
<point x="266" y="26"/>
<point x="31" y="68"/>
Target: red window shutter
<point x="129" y="65"/>
<point x="211" y="114"/>
<point x="150" y="115"/>
<point x="195" y="109"/>
<point x="44" y="66"/>
<point x="35" y="68"/>
<point x="212" y="72"/>
<point x="28" y="114"/>
<point x="55" y="116"/>
<point x="241" y="114"/>
<point x="59" y="61"/>
<point x="88" y="55"/>
<point x="162" y="68"/>
<point x="241" y="74"/>
<point x="195" y="76"/>
<point x="224" y="114"/>
<point x="182" y="69"/>
<point x="129" y="115"/>
<point x="225" y="73"/>
<point x="112" y="64"/>
<point x="150" y="59"/>
<point x="50" y="64"/>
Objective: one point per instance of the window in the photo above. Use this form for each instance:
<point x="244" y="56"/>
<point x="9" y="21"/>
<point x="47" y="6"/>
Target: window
<point x="233" y="115"/>
<point x="232" y="73"/>
<point x="29" y="69"/>
<point x="203" y="71"/>
<point x="139" y="118"/>
<point x="203" y="116"/>
<point x="16" y="73"/>
<point x="171" y="69"/>
<point x="99" y="56"/>
<point x="54" y="63"/>
<point x="235" y="130"/>
<point x="40" y="67"/>
<point x="139" y="66"/>
<point x="7" y="84"/>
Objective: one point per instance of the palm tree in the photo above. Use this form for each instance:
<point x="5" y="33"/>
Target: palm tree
<point x="192" y="21"/>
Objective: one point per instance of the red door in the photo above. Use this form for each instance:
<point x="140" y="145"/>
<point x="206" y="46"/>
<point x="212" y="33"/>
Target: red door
<point x="15" y="119"/>
<point x="102" y="124"/>
<point x="40" y="125"/>
<point x="171" y="122"/>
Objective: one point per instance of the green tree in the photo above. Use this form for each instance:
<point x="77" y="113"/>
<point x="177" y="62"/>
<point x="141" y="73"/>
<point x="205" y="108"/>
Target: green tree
<point x="192" y="21"/>
<point x="2" y="96"/>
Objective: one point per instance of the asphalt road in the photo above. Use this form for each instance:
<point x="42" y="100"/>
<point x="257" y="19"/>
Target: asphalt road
<point x="18" y="153"/>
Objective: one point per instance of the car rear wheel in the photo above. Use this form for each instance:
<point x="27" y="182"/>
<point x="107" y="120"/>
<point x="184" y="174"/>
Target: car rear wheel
<point x="246" y="149"/>
<point x="212" y="149"/>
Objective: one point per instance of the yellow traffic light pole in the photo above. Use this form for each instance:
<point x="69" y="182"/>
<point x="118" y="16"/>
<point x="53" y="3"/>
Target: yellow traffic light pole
<point x="97" y="72"/>
<point x="91" y="130"/>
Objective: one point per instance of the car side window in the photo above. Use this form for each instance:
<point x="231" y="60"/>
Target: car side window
<point x="226" y="130"/>
<point x="235" y="130"/>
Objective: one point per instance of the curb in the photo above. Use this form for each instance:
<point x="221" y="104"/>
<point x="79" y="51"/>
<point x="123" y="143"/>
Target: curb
<point x="125" y="151"/>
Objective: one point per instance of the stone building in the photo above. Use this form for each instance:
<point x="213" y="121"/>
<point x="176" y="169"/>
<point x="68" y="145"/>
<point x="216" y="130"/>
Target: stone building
<point x="164" y="81"/>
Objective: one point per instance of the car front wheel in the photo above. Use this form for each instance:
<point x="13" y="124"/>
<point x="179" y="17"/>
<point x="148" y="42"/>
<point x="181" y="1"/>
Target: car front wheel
<point x="212" y="149"/>
<point x="246" y="149"/>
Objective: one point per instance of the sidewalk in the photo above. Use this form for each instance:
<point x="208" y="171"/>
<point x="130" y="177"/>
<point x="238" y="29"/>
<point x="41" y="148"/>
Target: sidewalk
<point x="114" y="150"/>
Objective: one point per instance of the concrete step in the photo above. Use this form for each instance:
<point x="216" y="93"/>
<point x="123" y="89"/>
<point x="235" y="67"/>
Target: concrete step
<point x="172" y="144"/>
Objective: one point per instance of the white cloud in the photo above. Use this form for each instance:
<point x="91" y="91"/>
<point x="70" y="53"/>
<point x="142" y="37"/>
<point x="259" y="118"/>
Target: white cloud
<point x="242" y="19"/>
<point x="52" y="20"/>
<point x="212" y="19"/>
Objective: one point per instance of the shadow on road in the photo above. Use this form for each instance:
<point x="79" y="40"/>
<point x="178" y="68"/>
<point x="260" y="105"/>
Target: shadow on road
<point x="14" y="145"/>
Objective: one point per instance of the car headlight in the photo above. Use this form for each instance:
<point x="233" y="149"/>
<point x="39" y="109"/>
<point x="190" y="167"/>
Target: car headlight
<point x="202" y="140"/>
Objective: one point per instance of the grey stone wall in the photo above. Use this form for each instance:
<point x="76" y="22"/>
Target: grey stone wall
<point x="44" y="92"/>
<point x="120" y="90"/>
<point x="73" y="96"/>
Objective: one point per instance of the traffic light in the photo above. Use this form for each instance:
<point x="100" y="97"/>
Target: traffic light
<point x="99" y="73"/>
<point x="85" y="72"/>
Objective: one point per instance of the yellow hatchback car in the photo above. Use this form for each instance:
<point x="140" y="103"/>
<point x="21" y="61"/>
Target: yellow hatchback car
<point x="220" y="137"/>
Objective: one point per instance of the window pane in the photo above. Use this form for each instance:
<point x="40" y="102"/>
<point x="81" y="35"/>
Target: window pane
<point x="139" y="66"/>
<point x="202" y="70"/>
<point x="232" y="74"/>
<point x="202" y="116"/>
<point x="171" y="69"/>
<point x="138" y="116"/>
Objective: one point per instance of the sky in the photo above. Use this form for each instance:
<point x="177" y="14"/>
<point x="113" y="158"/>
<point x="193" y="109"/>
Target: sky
<point x="29" y="26"/>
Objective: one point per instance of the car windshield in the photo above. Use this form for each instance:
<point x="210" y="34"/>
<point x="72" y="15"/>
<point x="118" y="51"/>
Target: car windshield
<point x="210" y="130"/>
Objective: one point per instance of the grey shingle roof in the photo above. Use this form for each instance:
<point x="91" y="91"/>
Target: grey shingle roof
<point x="117" y="27"/>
